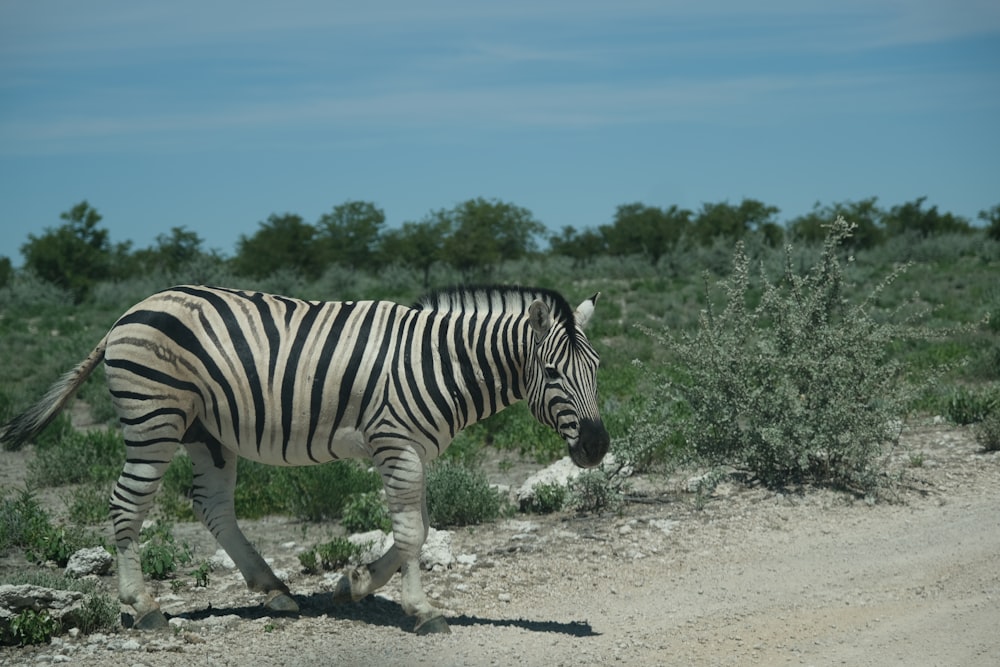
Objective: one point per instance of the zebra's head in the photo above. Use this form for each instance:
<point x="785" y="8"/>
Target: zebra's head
<point x="561" y="381"/>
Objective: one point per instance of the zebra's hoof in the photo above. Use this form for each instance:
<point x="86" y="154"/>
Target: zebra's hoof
<point x="342" y="593"/>
<point x="283" y="602"/>
<point x="151" y="620"/>
<point x="435" y="625"/>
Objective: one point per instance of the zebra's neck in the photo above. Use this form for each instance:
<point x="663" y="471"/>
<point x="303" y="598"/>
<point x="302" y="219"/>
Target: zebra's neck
<point x="489" y="353"/>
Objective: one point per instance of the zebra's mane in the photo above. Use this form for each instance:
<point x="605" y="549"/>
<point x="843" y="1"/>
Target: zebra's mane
<point x="500" y="298"/>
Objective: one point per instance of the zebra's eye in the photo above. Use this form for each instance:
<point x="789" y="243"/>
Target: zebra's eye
<point x="552" y="373"/>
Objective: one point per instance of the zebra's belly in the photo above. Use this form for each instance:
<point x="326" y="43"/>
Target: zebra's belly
<point x="347" y="443"/>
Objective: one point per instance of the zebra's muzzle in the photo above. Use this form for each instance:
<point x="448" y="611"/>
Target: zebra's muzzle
<point x="591" y="445"/>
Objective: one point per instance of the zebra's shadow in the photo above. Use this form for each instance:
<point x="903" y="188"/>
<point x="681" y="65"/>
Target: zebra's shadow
<point x="376" y="610"/>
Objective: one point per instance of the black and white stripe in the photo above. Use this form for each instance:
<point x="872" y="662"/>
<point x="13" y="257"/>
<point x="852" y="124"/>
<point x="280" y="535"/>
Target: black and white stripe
<point x="283" y="381"/>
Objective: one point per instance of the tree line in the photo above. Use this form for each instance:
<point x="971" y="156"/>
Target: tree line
<point x="473" y="237"/>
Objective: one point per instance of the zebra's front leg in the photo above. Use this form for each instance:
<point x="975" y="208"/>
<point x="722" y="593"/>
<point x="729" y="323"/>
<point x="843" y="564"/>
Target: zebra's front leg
<point x="212" y="495"/>
<point x="403" y="478"/>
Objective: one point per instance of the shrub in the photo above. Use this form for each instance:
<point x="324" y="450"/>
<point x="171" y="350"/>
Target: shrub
<point x="798" y="387"/>
<point x="99" y="612"/>
<point x="460" y="496"/>
<point x="313" y="493"/>
<point x="595" y="491"/>
<point x="331" y="555"/>
<point x="23" y="523"/>
<point x="547" y="498"/>
<point x="988" y="432"/>
<point x="33" y="627"/>
<point x="364" y="512"/>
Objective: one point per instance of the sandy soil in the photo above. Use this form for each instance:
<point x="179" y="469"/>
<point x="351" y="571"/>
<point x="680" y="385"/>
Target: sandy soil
<point x="751" y="577"/>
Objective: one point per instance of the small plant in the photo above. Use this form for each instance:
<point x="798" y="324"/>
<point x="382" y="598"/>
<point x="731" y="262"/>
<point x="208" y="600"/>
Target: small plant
<point x="460" y="496"/>
<point x="545" y="499"/>
<point x="366" y="511"/>
<point x="200" y="574"/>
<point x="331" y="555"/>
<point x="160" y="554"/>
<point x="99" y="612"/>
<point x="33" y="627"/>
<point x="988" y="432"/>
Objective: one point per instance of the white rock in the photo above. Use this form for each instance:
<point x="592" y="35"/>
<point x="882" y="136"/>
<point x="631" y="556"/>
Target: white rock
<point x="222" y="559"/>
<point x="95" y="560"/>
<point x="436" y="551"/>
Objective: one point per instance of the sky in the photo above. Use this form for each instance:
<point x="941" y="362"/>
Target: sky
<point x="212" y="116"/>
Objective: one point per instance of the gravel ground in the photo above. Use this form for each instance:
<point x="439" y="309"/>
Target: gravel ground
<point x="750" y="577"/>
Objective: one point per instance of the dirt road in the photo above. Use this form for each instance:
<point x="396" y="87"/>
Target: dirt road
<point x="753" y="577"/>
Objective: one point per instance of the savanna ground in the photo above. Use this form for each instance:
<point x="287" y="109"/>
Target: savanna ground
<point x="745" y="576"/>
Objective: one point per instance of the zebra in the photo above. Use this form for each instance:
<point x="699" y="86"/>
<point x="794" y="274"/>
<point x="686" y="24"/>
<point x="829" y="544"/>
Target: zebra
<point x="283" y="381"/>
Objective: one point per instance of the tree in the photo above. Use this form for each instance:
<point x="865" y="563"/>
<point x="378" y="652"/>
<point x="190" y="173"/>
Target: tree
<point x="646" y="230"/>
<point x="485" y="233"/>
<point x="581" y="247"/>
<point x="814" y="226"/>
<point x="350" y="234"/>
<point x="75" y="255"/>
<point x="418" y="245"/>
<point x="6" y="271"/>
<point x="911" y="217"/>
<point x="282" y="242"/>
<point x="733" y="222"/>
<point x="992" y="217"/>
<point x="171" y="251"/>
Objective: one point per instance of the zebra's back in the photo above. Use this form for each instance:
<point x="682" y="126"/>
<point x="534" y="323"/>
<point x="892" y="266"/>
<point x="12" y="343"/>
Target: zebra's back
<point x="280" y="380"/>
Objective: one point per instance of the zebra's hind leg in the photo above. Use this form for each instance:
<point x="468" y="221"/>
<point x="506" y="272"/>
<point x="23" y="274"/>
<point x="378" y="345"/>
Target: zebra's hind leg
<point x="212" y="495"/>
<point x="130" y="501"/>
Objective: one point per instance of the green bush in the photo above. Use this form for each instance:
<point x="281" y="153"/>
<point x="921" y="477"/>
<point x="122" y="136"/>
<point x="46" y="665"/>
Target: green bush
<point x="460" y="496"/>
<point x="33" y="627"/>
<point x="331" y="555"/>
<point x="312" y="493"/>
<point x="546" y="498"/>
<point x="595" y="491"/>
<point x="364" y="512"/>
<point x="24" y="524"/>
<point x="799" y="386"/>
<point x="99" y="612"/>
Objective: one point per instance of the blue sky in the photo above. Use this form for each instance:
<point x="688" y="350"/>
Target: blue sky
<point x="214" y="115"/>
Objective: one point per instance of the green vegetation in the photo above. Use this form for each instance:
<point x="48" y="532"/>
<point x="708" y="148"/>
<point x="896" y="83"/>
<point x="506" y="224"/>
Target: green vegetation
<point x="25" y="524"/>
<point x="721" y="347"/>
<point x="366" y="511"/>
<point x="789" y="380"/>
<point x="460" y="496"/>
<point x="331" y="555"/>
<point x="161" y="555"/>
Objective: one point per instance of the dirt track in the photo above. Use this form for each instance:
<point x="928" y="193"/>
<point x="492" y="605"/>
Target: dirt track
<point x="754" y="577"/>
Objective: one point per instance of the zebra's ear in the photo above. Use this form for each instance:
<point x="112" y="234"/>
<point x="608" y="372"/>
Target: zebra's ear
<point x="540" y="318"/>
<point x="585" y="310"/>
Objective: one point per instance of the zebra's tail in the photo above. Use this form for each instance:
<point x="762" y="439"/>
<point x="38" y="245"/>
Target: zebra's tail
<point x="22" y="428"/>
